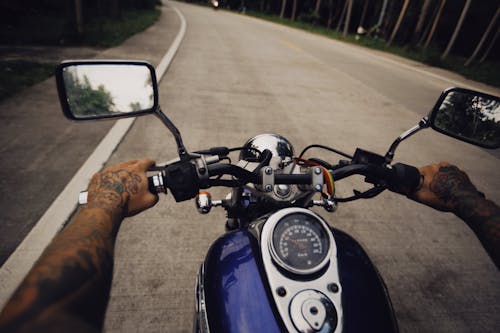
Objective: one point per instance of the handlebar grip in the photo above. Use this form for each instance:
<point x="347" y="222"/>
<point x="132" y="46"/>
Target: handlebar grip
<point x="405" y="179"/>
<point x="157" y="184"/>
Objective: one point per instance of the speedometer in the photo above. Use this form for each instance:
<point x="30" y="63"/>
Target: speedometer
<point x="300" y="244"/>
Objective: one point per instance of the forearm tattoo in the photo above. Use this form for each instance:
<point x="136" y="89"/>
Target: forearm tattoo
<point x="454" y="188"/>
<point x="73" y="275"/>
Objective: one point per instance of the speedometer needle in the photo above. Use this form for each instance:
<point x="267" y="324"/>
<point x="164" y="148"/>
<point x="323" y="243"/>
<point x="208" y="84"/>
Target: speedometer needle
<point x="297" y="244"/>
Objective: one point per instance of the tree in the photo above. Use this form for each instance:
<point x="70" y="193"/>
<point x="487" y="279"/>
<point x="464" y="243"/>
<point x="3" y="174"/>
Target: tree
<point x="363" y="14"/>
<point x="83" y="99"/>
<point x="398" y="23"/>
<point x="283" y="7"/>
<point x="457" y="29"/>
<point x="294" y="10"/>
<point x="79" y="16"/>
<point x="434" y="23"/>
<point x="344" y="9"/>
<point x="330" y="14"/>
<point x="487" y="52"/>
<point x="348" y="17"/>
<point x="483" y="38"/>
<point x="421" y="19"/>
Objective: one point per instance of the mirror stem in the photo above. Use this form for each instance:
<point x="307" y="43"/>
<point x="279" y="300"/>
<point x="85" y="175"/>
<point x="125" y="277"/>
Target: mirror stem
<point x="423" y="123"/>
<point x="175" y="132"/>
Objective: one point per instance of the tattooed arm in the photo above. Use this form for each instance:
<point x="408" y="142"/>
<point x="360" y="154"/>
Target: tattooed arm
<point x="68" y="287"/>
<point x="447" y="188"/>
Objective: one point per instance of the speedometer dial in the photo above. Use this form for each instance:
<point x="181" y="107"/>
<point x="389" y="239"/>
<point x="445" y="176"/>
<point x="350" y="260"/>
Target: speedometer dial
<point x="300" y="243"/>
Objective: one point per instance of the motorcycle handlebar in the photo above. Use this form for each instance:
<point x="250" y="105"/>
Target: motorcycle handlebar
<point x="400" y="178"/>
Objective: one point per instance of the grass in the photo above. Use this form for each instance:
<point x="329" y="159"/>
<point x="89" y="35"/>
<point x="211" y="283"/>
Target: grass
<point x="487" y="72"/>
<point x="18" y="75"/>
<point x="59" y="30"/>
<point x="107" y="33"/>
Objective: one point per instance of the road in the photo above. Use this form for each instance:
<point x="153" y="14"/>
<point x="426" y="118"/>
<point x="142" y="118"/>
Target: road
<point x="234" y="77"/>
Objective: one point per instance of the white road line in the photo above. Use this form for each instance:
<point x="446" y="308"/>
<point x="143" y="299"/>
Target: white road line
<point x="23" y="258"/>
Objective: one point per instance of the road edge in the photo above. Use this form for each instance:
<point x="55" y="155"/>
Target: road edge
<point x="22" y="259"/>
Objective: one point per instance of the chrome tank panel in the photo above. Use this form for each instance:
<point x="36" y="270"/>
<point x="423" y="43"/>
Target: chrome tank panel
<point x="237" y="298"/>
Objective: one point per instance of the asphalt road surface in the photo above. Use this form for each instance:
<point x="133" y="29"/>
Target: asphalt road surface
<point x="234" y="77"/>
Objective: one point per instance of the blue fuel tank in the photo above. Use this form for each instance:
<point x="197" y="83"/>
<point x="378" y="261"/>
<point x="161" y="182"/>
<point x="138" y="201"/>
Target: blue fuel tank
<point x="233" y="295"/>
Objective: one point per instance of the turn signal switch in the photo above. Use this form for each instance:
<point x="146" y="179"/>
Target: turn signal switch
<point x="204" y="202"/>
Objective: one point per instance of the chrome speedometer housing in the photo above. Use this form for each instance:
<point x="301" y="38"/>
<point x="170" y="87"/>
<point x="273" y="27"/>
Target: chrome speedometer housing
<point x="300" y="242"/>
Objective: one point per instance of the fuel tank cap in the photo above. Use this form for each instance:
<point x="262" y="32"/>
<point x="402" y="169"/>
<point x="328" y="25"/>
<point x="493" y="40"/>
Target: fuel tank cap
<point x="311" y="311"/>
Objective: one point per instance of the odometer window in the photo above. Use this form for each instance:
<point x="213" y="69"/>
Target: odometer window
<point x="300" y="243"/>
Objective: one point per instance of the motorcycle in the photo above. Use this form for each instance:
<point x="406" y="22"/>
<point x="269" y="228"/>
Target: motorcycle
<point x="280" y="266"/>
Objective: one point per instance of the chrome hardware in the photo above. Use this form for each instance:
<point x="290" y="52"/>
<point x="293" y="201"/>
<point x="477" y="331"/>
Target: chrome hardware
<point x="283" y="190"/>
<point x="277" y="144"/>
<point x="204" y="202"/>
<point x="267" y="175"/>
<point x="312" y="311"/>
<point x="329" y="205"/>
<point x="82" y="197"/>
<point x="294" y="288"/>
<point x="317" y="179"/>
<point x="317" y="171"/>
<point x="158" y="183"/>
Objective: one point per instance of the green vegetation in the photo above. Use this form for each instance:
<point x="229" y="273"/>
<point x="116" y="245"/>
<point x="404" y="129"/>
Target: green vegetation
<point x="111" y="32"/>
<point x="84" y="100"/>
<point x="17" y="75"/>
<point x="52" y="22"/>
<point x="487" y="72"/>
<point x="98" y="31"/>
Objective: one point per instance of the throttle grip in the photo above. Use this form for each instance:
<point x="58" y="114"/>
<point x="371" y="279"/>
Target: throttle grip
<point x="405" y="179"/>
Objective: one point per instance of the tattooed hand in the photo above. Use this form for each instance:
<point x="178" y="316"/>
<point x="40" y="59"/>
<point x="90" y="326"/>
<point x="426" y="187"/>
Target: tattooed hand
<point x="447" y="188"/>
<point x="122" y="189"/>
<point x="444" y="187"/>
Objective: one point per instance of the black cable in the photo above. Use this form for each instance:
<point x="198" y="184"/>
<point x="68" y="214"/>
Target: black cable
<point x="326" y="148"/>
<point x="246" y="148"/>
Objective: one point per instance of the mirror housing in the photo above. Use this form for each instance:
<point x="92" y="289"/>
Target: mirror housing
<point x="102" y="89"/>
<point x="469" y="116"/>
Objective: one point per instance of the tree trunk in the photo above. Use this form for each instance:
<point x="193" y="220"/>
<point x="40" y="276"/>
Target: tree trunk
<point x="381" y="17"/>
<point x="363" y="15"/>
<point x="457" y="29"/>
<point x="483" y="58"/>
<point x="294" y="10"/>
<point x="330" y="14"/>
<point x="421" y="19"/>
<point x="398" y="23"/>
<point x="283" y="7"/>
<point x="434" y="24"/>
<point x="318" y="5"/>
<point x="428" y="26"/>
<point x="483" y="38"/>
<point x="342" y="15"/>
<point x="79" y="16"/>
<point x="348" y="18"/>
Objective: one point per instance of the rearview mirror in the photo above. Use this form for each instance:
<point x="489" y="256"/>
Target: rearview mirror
<point x="106" y="89"/>
<point x="469" y="116"/>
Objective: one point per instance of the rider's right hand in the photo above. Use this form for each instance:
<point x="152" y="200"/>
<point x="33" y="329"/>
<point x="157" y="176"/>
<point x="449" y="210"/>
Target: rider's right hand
<point x="444" y="187"/>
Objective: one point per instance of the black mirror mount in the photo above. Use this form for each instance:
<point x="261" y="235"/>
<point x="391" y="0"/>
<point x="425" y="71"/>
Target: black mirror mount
<point x="423" y="123"/>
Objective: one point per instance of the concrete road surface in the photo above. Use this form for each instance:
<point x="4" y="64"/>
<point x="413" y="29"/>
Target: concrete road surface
<point x="235" y="77"/>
